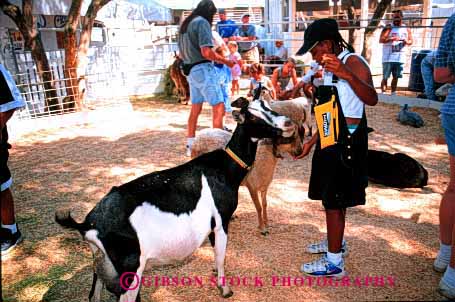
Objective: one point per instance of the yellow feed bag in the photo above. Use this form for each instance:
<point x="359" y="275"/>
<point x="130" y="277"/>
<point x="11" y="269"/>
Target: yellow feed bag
<point x="327" y="121"/>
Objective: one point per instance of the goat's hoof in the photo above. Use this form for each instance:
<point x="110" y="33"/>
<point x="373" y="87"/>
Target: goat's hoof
<point x="228" y="293"/>
<point x="233" y="217"/>
<point x="215" y="272"/>
<point x="265" y="232"/>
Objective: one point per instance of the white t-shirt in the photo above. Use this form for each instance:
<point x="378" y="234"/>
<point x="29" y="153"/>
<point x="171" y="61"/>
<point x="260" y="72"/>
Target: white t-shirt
<point x="395" y="51"/>
<point x="217" y="40"/>
<point x="350" y="103"/>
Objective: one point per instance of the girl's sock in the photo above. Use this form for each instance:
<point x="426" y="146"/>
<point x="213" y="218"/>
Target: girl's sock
<point x="335" y="258"/>
<point x="12" y="227"/>
<point x="444" y="253"/>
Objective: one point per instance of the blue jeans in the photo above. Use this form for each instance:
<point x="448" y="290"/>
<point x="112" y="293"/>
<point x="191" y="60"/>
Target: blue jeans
<point x="426" y="67"/>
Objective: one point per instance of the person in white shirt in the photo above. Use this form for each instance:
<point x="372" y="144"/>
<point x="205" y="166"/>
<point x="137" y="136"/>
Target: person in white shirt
<point x="394" y="37"/>
<point x="280" y="54"/>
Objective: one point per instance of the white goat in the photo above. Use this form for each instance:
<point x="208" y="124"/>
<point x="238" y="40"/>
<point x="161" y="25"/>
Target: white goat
<point x="163" y="217"/>
<point x="260" y="177"/>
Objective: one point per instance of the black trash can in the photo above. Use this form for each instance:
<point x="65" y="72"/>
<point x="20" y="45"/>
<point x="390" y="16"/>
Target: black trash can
<point x="415" y="77"/>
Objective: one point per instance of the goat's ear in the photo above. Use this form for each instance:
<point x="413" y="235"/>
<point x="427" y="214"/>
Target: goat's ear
<point x="241" y="102"/>
<point x="238" y="116"/>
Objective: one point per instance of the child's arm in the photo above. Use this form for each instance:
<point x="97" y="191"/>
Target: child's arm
<point x="274" y="81"/>
<point x="272" y="90"/>
<point x="250" y="93"/>
<point x="294" y="77"/>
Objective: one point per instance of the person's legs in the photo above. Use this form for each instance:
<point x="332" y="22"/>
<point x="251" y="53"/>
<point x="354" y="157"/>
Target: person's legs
<point x="452" y="256"/>
<point x="446" y="254"/>
<point x="426" y="69"/>
<point x="335" y="220"/>
<point x="447" y="283"/>
<point x="10" y="235"/>
<point x="215" y="94"/>
<point x="397" y="72"/>
<point x="7" y="207"/>
<point x="235" y="87"/>
<point x="217" y="115"/>
<point x="385" y="75"/>
<point x="331" y="264"/>
<point x="447" y="207"/>
<point x="192" y="119"/>
<point x="393" y="85"/>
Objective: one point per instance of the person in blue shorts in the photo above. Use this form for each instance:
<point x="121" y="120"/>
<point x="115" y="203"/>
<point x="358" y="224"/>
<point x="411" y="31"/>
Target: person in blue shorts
<point x="444" y="72"/>
<point x="195" y="45"/>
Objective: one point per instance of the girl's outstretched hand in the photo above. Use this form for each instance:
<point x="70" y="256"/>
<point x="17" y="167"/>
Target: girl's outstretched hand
<point x="306" y="150"/>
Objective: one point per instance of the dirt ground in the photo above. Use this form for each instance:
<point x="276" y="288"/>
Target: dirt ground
<point x="393" y="237"/>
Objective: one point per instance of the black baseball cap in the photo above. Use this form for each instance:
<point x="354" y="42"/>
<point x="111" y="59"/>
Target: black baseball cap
<point x="319" y="30"/>
<point x="221" y="11"/>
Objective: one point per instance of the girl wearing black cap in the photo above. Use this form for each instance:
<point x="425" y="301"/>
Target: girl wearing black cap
<point x="338" y="174"/>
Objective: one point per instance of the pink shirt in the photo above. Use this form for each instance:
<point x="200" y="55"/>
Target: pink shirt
<point x="235" y="70"/>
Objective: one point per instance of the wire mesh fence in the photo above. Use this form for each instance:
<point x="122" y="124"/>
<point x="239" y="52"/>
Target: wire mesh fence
<point x="425" y="33"/>
<point x="114" y="73"/>
<point x="111" y="76"/>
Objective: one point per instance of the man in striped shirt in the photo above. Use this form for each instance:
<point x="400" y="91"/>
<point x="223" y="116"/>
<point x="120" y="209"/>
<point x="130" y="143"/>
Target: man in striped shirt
<point x="444" y="72"/>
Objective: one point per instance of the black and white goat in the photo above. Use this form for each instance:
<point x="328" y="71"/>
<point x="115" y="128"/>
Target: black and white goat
<point x="163" y="217"/>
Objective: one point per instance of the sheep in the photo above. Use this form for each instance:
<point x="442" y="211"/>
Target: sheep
<point x="396" y="170"/>
<point x="407" y="117"/>
<point x="259" y="178"/>
<point x="164" y="216"/>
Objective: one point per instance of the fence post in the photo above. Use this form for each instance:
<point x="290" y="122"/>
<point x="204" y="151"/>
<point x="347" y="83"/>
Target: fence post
<point x="363" y="21"/>
<point x="427" y="13"/>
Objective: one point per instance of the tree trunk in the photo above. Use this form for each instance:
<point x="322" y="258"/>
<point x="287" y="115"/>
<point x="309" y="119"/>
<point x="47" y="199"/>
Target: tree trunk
<point x="372" y="26"/>
<point x="84" y="42"/>
<point x="73" y="100"/>
<point x="352" y="21"/>
<point x="25" y="22"/>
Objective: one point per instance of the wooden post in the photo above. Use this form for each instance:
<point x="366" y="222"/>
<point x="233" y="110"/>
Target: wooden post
<point x="427" y="31"/>
<point x="335" y="9"/>
<point x="292" y="6"/>
<point x="363" y="19"/>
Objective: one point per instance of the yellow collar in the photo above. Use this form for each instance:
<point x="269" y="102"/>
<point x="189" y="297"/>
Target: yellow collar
<point x="237" y="159"/>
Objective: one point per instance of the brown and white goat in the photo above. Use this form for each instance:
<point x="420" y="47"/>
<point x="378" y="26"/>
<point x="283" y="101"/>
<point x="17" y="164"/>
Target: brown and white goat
<point x="269" y="151"/>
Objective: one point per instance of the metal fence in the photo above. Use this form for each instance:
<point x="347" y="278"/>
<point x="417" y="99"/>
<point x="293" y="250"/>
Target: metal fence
<point x="113" y="74"/>
<point x="426" y="33"/>
<point x="116" y="72"/>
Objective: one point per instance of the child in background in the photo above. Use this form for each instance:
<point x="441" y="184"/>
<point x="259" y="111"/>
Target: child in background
<point x="257" y="72"/>
<point x="236" y="70"/>
<point x="224" y="78"/>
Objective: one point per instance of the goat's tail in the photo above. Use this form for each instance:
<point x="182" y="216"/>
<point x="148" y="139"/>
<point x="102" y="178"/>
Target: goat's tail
<point x="63" y="217"/>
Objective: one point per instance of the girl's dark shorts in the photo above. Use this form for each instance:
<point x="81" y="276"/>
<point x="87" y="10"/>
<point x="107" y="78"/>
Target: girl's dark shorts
<point x="5" y="174"/>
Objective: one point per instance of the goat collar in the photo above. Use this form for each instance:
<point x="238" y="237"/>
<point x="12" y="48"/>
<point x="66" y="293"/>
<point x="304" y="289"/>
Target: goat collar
<point x="237" y="159"/>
